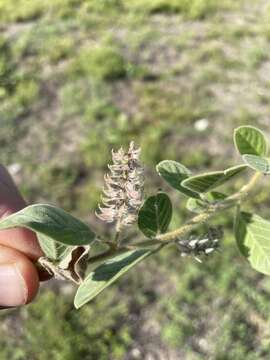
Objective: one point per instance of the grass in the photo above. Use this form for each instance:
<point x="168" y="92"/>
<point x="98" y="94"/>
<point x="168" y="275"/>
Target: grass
<point x="103" y="63"/>
<point x="80" y="77"/>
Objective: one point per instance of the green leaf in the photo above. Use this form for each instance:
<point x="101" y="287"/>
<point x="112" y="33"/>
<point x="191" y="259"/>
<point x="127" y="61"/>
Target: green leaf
<point x="52" y="249"/>
<point x="107" y="273"/>
<point x="252" y="235"/>
<point x="155" y="215"/>
<point x="214" y="196"/>
<point x="208" y="181"/>
<point x="52" y="222"/>
<point x="250" y="140"/>
<point x="257" y="163"/>
<point x="174" y="173"/>
<point x="199" y="205"/>
<point x="196" y="205"/>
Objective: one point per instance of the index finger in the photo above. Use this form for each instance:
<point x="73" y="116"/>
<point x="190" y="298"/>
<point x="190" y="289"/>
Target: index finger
<point x="11" y="201"/>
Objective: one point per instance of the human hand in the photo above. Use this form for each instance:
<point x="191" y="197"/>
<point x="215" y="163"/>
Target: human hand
<point x="19" y="248"/>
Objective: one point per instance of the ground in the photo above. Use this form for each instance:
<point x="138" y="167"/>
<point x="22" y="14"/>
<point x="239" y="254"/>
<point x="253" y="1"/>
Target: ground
<point x="78" y="78"/>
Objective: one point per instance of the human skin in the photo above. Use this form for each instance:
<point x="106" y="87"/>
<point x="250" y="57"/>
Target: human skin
<point x="19" y="249"/>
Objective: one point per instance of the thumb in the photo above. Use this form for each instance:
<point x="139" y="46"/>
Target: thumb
<point x="11" y="201"/>
<point x="19" y="281"/>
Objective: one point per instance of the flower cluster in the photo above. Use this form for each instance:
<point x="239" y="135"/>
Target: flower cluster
<point x="123" y="190"/>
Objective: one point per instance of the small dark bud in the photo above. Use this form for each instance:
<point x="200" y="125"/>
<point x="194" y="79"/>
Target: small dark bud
<point x="198" y="247"/>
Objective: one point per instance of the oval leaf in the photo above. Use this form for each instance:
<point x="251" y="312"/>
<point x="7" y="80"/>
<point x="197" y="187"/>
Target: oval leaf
<point x="200" y="205"/>
<point x="174" y="173"/>
<point x="52" y="222"/>
<point x="250" y="140"/>
<point x="208" y="181"/>
<point x="52" y="249"/>
<point x="107" y="273"/>
<point x="252" y="235"/>
<point x="257" y="163"/>
<point x="214" y="196"/>
<point x="155" y="215"/>
<point x="196" y="205"/>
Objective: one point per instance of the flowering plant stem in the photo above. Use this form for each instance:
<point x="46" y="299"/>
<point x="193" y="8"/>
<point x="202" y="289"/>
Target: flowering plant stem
<point x="170" y="237"/>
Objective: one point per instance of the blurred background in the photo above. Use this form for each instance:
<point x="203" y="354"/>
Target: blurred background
<point x="78" y="78"/>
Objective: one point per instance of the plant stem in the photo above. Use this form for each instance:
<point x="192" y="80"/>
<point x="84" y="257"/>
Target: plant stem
<point x="116" y="238"/>
<point x="171" y="236"/>
<point x="244" y="191"/>
<point x="202" y="218"/>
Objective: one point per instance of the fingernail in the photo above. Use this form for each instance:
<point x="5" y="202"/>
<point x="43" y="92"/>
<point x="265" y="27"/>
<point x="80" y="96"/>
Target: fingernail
<point x="13" y="291"/>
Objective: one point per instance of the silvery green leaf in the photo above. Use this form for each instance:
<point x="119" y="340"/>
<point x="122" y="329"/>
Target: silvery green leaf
<point x="174" y="173"/>
<point x="209" y="181"/>
<point x="250" y="140"/>
<point x="155" y="215"/>
<point x="196" y="205"/>
<point x="51" y="248"/>
<point x="199" y="205"/>
<point x="52" y="222"/>
<point x="215" y="196"/>
<point x="107" y="273"/>
<point x="257" y="163"/>
<point x="252" y="235"/>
